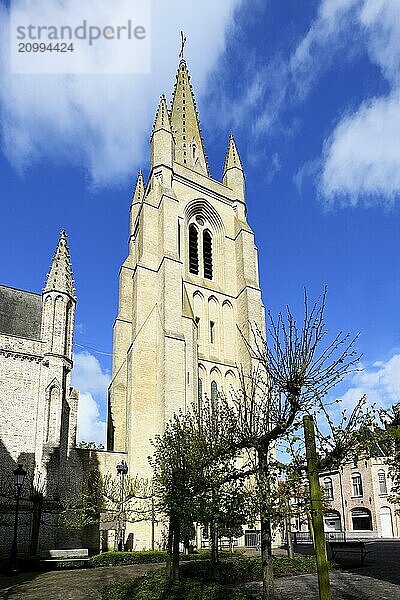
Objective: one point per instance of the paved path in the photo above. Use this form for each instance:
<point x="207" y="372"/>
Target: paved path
<point x="345" y="586"/>
<point x="379" y="579"/>
<point x="79" y="584"/>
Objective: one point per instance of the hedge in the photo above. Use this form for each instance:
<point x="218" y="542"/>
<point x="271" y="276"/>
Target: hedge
<point x="109" y="559"/>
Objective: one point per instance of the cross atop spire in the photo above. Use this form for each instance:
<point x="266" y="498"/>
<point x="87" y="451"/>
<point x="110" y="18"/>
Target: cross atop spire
<point x="183" y="43"/>
<point x="60" y="277"/>
<point x="189" y="146"/>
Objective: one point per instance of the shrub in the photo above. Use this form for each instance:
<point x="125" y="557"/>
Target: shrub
<point x="154" y="587"/>
<point x="109" y="559"/>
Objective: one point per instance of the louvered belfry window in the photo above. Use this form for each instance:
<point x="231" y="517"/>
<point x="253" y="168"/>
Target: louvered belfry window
<point x="207" y="255"/>
<point x="193" y="250"/>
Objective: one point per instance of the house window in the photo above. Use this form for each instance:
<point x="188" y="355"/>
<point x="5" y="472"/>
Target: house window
<point x="328" y="488"/>
<point x="382" y="483"/>
<point x="193" y="250"/>
<point x="357" y="485"/>
<point x="361" y="519"/>
<point x="207" y="255"/>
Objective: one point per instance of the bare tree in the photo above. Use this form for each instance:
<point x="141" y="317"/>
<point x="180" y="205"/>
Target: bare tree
<point x="296" y="368"/>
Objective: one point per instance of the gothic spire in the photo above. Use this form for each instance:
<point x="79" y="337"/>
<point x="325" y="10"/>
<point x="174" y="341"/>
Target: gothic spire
<point x="162" y="117"/>
<point x="232" y="159"/>
<point x="189" y="147"/>
<point x="233" y="175"/>
<point x="60" y="277"/>
<point x="138" y="194"/>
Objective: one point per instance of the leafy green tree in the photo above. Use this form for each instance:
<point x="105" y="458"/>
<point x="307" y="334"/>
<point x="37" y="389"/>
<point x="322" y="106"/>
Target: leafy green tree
<point x="390" y="441"/>
<point x="193" y="463"/>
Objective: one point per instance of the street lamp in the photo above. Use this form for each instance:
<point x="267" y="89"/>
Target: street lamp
<point x="122" y="470"/>
<point x="19" y="478"/>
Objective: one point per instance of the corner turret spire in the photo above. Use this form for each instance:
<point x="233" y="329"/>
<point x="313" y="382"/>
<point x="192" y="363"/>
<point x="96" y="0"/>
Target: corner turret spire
<point x="233" y="174"/>
<point x="60" y="277"/>
<point x="162" y="117"/>
<point x="138" y="194"/>
<point x="232" y="159"/>
<point x="189" y="146"/>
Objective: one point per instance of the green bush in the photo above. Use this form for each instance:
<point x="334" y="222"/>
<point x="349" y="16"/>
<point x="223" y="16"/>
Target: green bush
<point x="203" y="581"/>
<point x="110" y="559"/>
<point x="154" y="587"/>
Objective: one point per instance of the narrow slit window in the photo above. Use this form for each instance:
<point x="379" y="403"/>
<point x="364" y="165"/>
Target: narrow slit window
<point x="212" y="332"/>
<point x="207" y="255"/>
<point x="200" y="395"/>
<point x="179" y="239"/>
<point x="193" y="250"/>
<point x="214" y="391"/>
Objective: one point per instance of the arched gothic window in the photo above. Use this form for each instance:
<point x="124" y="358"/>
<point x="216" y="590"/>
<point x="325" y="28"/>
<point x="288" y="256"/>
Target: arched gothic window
<point x="193" y="249"/>
<point x="200" y="249"/>
<point x="214" y="391"/>
<point x="207" y="255"/>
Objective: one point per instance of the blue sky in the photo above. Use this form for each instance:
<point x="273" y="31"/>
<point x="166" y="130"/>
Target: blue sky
<point x="311" y="92"/>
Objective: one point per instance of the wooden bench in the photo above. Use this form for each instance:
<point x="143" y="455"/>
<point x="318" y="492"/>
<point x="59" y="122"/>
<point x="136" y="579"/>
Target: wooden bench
<point x="349" y="547"/>
<point x="67" y="556"/>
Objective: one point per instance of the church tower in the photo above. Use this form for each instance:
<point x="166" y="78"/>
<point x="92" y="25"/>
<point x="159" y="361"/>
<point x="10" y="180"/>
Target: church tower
<point x="59" y="403"/>
<point x="189" y="287"/>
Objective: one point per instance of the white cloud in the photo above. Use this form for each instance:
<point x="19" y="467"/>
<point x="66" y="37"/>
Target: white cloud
<point x="92" y="382"/>
<point x="90" y="427"/>
<point x="380" y="382"/>
<point x="361" y="157"/>
<point x="102" y="123"/>
<point x="327" y="36"/>
<point x="88" y="375"/>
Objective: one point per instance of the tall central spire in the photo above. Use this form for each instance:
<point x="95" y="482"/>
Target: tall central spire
<point x="189" y="147"/>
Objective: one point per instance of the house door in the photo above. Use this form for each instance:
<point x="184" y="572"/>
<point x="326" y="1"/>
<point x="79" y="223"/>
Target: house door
<point x="386" y="522"/>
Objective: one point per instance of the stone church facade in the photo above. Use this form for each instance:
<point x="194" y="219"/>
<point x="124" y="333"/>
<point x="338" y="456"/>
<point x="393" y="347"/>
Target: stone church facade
<point x="188" y="288"/>
<point x="38" y="412"/>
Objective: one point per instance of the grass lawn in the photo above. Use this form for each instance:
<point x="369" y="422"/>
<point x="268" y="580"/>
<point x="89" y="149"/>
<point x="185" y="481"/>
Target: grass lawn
<point x="204" y="581"/>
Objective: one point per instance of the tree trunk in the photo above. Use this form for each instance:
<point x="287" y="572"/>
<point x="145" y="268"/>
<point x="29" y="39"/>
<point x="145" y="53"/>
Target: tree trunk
<point x="175" y="550"/>
<point x="266" y="533"/>
<point x="214" y="542"/>
<point x="266" y="559"/>
<point x="186" y="544"/>
<point x="169" y="547"/>
<point x="316" y="510"/>
<point x="289" y="539"/>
